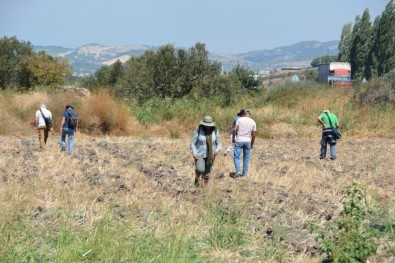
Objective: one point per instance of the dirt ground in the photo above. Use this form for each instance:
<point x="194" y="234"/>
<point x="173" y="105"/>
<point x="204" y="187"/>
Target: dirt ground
<point x="287" y="184"/>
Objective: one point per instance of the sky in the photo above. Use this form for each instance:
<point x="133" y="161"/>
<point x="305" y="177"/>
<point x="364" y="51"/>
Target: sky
<point x="226" y="26"/>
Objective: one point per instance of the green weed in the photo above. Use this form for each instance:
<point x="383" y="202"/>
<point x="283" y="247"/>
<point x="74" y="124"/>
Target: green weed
<point x="354" y="237"/>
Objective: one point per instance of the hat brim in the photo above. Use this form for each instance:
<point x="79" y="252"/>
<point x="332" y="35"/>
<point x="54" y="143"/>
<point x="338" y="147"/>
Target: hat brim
<point x="207" y="124"/>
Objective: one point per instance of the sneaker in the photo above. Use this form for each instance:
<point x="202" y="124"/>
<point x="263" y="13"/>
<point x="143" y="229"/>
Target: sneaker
<point x="333" y="158"/>
<point x="63" y="149"/>
<point x="234" y="175"/>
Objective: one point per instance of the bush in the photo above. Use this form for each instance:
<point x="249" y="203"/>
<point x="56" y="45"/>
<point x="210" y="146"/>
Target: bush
<point x="354" y="237"/>
<point x="377" y="92"/>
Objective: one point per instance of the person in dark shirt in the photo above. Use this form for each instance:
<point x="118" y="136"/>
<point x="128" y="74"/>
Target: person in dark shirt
<point x="67" y="127"/>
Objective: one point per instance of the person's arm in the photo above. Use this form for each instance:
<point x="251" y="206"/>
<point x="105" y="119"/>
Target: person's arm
<point x="234" y="133"/>
<point x="218" y="142"/>
<point x="193" y="148"/>
<point x="61" y="124"/>
<point x="36" y="124"/>
<point x="253" y="133"/>
<point x="321" y="122"/>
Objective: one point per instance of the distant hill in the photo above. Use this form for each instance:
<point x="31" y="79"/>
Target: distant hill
<point x="87" y="59"/>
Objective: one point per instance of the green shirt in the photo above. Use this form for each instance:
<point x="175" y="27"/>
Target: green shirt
<point x="325" y="120"/>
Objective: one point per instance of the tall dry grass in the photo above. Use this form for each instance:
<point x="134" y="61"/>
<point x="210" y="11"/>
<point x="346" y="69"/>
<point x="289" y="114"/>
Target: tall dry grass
<point x="288" y="111"/>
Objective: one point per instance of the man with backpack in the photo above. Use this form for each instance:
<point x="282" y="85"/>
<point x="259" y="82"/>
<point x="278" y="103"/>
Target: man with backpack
<point x="329" y="122"/>
<point x="68" y="126"/>
<point x="43" y="123"/>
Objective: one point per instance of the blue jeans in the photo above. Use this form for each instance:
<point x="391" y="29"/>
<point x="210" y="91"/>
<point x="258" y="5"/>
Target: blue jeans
<point x="246" y="148"/>
<point x="324" y="144"/>
<point x="70" y="133"/>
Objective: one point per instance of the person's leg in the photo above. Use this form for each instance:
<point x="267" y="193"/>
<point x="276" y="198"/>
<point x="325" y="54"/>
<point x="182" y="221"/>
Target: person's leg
<point x="71" y="141"/>
<point x="236" y="156"/>
<point x="333" y="151"/>
<point x="41" y="138"/>
<point x="323" y="147"/>
<point x="197" y="178"/>
<point x="246" y="157"/>
<point x="45" y="136"/>
<point x="63" y="139"/>
<point x="206" y="175"/>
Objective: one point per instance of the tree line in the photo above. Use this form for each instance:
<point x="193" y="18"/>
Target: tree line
<point x="173" y="72"/>
<point x="368" y="47"/>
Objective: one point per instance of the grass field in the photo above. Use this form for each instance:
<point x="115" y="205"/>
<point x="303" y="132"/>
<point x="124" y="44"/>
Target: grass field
<point x="128" y="195"/>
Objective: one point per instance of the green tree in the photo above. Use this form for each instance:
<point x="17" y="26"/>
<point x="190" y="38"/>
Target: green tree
<point x="360" y="47"/>
<point x="345" y="43"/>
<point x="103" y="75"/>
<point x="12" y="52"/>
<point x="372" y="58"/>
<point x="116" y="72"/>
<point x="384" y="45"/>
<point x="169" y="73"/>
<point x="43" y="69"/>
<point x="323" y="60"/>
<point x="245" y="77"/>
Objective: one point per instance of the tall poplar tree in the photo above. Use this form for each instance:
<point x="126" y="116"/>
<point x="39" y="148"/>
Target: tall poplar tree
<point x="360" y="48"/>
<point x="345" y="43"/>
<point x="384" y="46"/>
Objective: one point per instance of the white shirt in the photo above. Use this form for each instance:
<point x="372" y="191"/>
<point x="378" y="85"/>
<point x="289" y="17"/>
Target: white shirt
<point x="246" y="127"/>
<point x="40" y="118"/>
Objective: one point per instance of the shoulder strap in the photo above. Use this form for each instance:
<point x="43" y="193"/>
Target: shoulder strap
<point x="330" y="122"/>
<point x="42" y="114"/>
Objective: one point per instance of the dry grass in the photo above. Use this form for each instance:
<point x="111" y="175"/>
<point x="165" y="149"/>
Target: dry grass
<point x="127" y="196"/>
<point x="146" y="183"/>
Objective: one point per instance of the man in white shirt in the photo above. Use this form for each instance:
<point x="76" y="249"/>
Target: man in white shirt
<point x="41" y="126"/>
<point x="243" y="138"/>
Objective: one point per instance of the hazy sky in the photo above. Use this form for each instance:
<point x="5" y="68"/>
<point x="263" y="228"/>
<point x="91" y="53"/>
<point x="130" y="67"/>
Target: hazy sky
<point x="229" y="26"/>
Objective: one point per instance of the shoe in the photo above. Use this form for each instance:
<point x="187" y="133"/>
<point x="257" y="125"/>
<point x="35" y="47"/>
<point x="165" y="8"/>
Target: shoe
<point x="63" y="149"/>
<point x="234" y="175"/>
<point x="333" y="159"/>
<point x="321" y="158"/>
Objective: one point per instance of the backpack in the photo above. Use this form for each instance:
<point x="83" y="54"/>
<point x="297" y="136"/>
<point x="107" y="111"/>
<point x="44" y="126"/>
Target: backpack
<point x="72" y="120"/>
<point x="48" y="121"/>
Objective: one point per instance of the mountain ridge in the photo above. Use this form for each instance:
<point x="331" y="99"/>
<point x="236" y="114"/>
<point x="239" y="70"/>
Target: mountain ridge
<point x="86" y="59"/>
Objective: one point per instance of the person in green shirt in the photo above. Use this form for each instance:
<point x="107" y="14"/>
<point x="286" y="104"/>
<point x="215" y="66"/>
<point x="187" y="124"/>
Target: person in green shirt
<point x="327" y="133"/>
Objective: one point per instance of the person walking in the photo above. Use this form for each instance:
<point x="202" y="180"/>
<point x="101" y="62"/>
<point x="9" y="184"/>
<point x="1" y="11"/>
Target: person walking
<point x="231" y="147"/>
<point x="67" y="127"/>
<point x="41" y="125"/>
<point x="205" y="146"/>
<point x="328" y="121"/>
<point x="243" y="139"/>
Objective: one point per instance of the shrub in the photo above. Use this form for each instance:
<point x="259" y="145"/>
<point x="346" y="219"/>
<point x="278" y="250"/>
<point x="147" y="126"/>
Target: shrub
<point x="376" y="92"/>
<point x="354" y="237"/>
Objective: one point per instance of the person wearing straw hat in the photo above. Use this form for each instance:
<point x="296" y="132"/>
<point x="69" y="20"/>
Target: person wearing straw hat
<point x="205" y="146"/>
<point x="41" y="125"/>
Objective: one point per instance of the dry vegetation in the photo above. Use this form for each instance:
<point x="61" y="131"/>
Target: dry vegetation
<point x="132" y="199"/>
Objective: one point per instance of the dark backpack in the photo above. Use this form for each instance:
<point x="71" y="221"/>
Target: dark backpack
<point x="48" y="121"/>
<point x="72" y="120"/>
